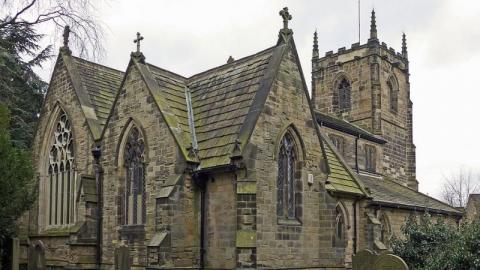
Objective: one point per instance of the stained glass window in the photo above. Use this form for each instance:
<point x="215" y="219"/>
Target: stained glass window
<point x="286" y="178"/>
<point x="135" y="179"/>
<point x="61" y="182"/>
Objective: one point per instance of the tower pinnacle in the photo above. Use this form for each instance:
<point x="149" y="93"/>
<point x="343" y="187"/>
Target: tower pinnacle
<point x="404" y="46"/>
<point x="315" y="45"/>
<point x="373" y="27"/>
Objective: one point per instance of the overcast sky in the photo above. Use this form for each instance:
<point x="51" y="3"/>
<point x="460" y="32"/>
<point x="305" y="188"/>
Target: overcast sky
<point x="443" y="36"/>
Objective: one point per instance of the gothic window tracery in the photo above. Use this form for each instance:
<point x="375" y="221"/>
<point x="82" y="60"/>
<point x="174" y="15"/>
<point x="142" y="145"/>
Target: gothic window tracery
<point x="286" y="178"/>
<point x="344" y="90"/>
<point x="61" y="182"/>
<point x="135" y="213"/>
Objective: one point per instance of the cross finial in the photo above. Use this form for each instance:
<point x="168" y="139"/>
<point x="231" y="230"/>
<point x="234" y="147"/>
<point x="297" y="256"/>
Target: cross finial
<point x="137" y="40"/>
<point x="66" y="35"/>
<point x="286" y="17"/>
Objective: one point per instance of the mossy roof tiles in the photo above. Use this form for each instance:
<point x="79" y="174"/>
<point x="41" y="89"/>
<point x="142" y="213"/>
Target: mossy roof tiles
<point x="389" y="192"/>
<point x="340" y="179"/>
<point x="101" y="83"/>
<point x="221" y="99"/>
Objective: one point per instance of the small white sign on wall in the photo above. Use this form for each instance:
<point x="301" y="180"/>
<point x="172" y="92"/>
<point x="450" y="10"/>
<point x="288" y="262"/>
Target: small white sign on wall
<point x="310" y="179"/>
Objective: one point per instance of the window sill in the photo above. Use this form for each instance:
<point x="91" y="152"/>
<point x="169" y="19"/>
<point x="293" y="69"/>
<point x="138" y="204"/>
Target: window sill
<point x="132" y="232"/>
<point x="289" y="222"/>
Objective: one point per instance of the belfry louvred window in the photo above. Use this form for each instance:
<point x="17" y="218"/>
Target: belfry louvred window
<point x="344" y="90"/>
<point x="286" y="178"/>
<point x="135" y="213"/>
<point x="61" y="182"/>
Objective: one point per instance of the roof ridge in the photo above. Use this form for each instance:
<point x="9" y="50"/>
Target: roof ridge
<point x="97" y="64"/>
<point x="237" y="61"/>
<point x="166" y="70"/>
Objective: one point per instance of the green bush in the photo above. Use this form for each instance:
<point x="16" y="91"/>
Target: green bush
<point x="428" y="244"/>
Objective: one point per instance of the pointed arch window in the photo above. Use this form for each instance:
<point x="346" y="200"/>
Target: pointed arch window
<point x="135" y="213"/>
<point x="340" y="228"/>
<point x="286" y="186"/>
<point x="393" y="93"/>
<point x="344" y="91"/>
<point x="385" y="231"/>
<point x="61" y="179"/>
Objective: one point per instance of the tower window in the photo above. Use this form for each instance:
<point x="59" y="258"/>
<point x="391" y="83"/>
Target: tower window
<point x="393" y="93"/>
<point x="344" y="89"/>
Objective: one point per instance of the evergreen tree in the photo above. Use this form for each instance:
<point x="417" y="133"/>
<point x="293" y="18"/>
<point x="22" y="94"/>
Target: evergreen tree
<point x="18" y="189"/>
<point x="21" y="90"/>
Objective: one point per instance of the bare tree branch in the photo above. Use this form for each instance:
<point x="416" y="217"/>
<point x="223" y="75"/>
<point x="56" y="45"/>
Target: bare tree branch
<point x="14" y="18"/>
<point x="80" y="15"/>
<point x="458" y="186"/>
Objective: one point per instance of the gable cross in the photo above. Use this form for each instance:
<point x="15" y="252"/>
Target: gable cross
<point x="137" y="40"/>
<point x="286" y="17"/>
<point x="66" y="35"/>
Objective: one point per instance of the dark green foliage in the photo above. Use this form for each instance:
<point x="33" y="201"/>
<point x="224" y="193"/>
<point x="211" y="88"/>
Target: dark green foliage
<point x="21" y="90"/>
<point x="435" y="245"/>
<point x="18" y="190"/>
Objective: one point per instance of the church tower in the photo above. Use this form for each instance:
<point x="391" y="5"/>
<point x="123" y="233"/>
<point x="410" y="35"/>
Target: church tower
<point x="368" y="86"/>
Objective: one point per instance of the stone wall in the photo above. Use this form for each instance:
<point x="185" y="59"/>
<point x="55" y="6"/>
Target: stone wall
<point x="306" y="241"/>
<point x="368" y="68"/>
<point x="396" y="219"/>
<point x="221" y="219"/>
<point x="58" y="243"/>
<point x="353" y="158"/>
<point x="174" y="214"/>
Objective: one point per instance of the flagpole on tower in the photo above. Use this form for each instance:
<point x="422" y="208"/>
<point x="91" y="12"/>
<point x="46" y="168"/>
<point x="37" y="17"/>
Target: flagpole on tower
<point x="358" y="21"/>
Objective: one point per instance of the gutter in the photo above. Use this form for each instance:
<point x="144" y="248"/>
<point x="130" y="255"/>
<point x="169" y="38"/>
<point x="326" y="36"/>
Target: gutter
<point x="97" y="153"/>
<point x="354" y="205"/>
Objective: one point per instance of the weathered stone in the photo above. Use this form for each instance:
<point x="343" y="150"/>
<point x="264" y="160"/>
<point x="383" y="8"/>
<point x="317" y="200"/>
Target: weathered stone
<point x="122" y="258"/>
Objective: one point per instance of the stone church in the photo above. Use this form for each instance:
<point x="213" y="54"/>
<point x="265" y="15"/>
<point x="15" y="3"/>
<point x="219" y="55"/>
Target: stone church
<point x="236" y="167"/>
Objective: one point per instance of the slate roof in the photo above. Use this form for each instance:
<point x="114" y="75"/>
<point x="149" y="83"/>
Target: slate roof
<point x="390" y="193"/>
<point x="345" y="126"/>
<point x="101" y="84"/>
<point x="221" y="99"/>
<point x="341" y="179"/>
<point x="173" y="90"/>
